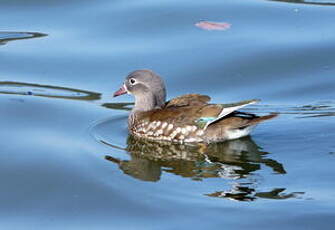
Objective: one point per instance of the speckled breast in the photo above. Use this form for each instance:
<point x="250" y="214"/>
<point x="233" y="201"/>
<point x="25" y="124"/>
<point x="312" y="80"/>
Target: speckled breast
<point x="164" y="131"/>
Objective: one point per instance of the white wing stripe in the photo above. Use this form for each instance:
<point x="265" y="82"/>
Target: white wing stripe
<point x="225" y="111"/>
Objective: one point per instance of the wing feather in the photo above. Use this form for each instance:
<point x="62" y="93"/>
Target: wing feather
<point x="188" y="100"/>
<point x="229" y="108"/>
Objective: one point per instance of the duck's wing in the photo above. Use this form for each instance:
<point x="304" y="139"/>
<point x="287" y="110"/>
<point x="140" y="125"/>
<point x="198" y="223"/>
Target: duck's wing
<point x="224" y="110"/>
<point x="188" y="100"/>
<point x="200" y="115"/>
<point x="241" y="121"/>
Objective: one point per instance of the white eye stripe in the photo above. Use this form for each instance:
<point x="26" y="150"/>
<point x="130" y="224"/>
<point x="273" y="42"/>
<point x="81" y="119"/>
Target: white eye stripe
<point x="125" y="87"/>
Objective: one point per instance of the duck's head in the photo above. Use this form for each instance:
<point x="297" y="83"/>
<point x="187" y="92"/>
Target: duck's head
<point x="147" y="87"/>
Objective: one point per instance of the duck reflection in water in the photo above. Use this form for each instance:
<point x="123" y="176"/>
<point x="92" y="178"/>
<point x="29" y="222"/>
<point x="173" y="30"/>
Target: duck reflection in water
<point x="231" y="160"/>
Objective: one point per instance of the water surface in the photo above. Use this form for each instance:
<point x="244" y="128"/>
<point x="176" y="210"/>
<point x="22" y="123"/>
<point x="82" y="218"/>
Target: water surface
<point x="67" y="161"/>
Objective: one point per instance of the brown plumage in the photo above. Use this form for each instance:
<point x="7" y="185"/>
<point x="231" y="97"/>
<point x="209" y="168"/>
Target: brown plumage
<point x="187" y="118"/>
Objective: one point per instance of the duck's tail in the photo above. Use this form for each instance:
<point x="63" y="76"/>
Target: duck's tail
<point x="257" y="120"/>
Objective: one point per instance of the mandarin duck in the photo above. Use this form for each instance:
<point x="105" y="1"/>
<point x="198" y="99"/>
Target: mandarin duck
<point x="185" y="119"/>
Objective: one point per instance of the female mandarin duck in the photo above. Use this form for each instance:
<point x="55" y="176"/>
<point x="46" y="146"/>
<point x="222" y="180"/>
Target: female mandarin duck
<point x="187" y="118"/>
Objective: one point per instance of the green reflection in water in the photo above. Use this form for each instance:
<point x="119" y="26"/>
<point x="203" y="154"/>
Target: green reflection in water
<point x="19" y="88"/>
<point x="12" y="36"/>
<point x="234" y="161"/>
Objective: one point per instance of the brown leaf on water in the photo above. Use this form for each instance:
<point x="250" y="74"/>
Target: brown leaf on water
<point x="206" y="25"/>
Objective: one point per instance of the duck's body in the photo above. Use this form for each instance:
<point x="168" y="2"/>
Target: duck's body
<point x="188" y="118"/>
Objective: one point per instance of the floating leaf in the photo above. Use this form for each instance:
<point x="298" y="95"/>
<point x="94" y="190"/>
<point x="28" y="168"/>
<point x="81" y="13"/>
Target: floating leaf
<point x="206" y="25"/>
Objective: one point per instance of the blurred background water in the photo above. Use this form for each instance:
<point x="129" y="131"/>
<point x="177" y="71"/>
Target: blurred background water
<point x="68" y="163"/>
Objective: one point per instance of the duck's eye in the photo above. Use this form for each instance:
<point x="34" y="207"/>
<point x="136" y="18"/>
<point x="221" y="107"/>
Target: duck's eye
<point x="132" y="81"/>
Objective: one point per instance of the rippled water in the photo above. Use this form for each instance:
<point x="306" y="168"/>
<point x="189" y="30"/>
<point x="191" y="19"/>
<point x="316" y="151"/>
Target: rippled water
<point x="68" y="163"/>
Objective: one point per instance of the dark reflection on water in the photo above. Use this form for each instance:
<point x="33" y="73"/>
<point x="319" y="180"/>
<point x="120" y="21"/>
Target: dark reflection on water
<point x="12" y="36"/>
<point x="321" y="3"/>
<point x="244" y="193"/>
<point x="231" y="161"/>
<point x="119" y="106"/>
<point x="20" y="88"/>
<point x="320" y="109"/>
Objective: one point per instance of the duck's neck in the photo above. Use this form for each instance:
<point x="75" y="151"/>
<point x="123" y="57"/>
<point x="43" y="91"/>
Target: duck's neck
<point x="144" y="102"/>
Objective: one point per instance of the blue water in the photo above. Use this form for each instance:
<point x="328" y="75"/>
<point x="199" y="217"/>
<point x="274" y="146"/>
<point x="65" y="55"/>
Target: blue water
<point x="67" y="161"/>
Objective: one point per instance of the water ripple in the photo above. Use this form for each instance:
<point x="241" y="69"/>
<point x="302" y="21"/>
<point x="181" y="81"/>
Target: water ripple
<point x="315" y="2"/>
<point x="318" y="109"/>
<point x="20" y="88"/>
<point x="11" y="36"/>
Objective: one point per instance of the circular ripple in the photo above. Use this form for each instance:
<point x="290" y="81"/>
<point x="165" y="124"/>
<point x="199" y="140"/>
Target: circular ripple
<point x="111" y="131"/>
<point x="20" y="88"/>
